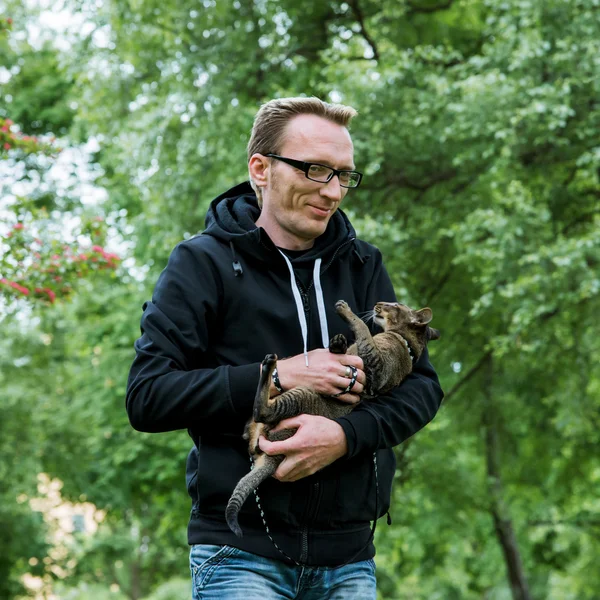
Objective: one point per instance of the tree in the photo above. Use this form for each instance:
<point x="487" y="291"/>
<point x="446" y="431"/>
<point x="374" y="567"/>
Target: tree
<point x="477" y="134"/>
<point x="40" y="258"/>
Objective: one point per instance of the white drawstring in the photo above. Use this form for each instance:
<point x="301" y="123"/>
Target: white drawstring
<point x="300" y="306"/>
<point x="321" y="303"/>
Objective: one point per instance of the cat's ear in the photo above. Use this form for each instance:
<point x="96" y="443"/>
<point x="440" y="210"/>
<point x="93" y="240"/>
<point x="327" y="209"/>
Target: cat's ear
<point x="423" y="316"/>
<point x="433" y="334"/>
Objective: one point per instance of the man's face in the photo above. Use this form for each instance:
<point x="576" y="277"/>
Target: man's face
<point x="295" y="209"/>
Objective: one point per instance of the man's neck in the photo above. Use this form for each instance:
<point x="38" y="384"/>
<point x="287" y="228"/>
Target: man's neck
<point x="281" y="238"/>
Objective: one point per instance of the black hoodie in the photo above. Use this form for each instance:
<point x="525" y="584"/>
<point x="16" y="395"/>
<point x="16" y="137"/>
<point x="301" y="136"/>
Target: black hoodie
<point x="223" y="302"/>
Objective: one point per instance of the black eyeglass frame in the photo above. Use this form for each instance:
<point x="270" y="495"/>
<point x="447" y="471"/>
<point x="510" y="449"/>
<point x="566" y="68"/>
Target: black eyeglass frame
<point x="305" y="166"/>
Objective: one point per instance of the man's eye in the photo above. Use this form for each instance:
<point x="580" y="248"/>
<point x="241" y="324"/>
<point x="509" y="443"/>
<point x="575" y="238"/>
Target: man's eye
<point x="318" y="170"/>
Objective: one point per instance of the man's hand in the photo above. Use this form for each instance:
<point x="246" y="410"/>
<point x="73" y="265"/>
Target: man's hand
<point x="326" y="373"/>
<point x="317" y="443"/>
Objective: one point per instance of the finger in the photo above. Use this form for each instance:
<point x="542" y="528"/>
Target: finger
<point x="342" y="384"/>
<point x="352" y="360"/>
<point x="272" y="448"/>
<point x="290" y="423"/>
<point x="361" y="377"/>
<point x="292" y="472"/>
<point x="296" y="466"/>
<point x="349" y="398"/>
<point x="295" y="477"/>
<point x="358" y="388"/>
<point x="285" y="471"/>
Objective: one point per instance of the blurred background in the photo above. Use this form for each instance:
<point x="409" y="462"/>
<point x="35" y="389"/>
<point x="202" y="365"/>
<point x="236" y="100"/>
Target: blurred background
<point x="479" y="137"/>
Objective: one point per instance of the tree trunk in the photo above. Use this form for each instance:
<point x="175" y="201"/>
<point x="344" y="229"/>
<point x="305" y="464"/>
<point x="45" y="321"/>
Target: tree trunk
<point x="502" y="523"/>
<point x="135" y="589"/>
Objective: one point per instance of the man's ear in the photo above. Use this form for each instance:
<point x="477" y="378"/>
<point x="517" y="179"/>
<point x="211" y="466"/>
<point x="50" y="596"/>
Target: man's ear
<point x="258" y="167"/>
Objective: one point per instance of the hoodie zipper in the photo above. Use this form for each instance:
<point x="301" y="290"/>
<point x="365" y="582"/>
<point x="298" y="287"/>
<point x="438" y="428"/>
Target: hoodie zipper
<point x="313" y="509"/>
<point x="305" y="292"/>
<point x="305" y="297"/>
<point x="313" y="499"/>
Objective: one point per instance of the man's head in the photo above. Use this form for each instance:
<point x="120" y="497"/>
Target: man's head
<point x="301" y="129"/>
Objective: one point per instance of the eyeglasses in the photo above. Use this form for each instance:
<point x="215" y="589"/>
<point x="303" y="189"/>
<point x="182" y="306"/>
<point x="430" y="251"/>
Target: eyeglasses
<point x="322" y="173"/>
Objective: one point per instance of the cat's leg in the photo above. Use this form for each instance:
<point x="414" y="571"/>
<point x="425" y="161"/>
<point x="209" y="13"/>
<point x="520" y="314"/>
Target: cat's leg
<point x="261" y="399"/>
<point x="365" y="345"/>
<point x="358" y="326"/>
<point x="338" y="344"/>
<point x="253" y="432"/>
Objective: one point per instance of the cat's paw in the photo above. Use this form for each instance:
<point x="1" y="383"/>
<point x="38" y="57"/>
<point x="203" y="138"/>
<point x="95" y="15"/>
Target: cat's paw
<point x="268" y="364"/>
<point x="338" y="344"/>
<point x="341" y="306"/>
<point x="269" y="360"/>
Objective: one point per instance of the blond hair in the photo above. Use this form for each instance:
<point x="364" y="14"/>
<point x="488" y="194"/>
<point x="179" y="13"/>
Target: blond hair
<point x="268" y="130"/>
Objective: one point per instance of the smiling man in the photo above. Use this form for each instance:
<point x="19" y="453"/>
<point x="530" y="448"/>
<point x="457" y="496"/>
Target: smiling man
<point x="263" y="278"/>
<point x="297" y="209"/>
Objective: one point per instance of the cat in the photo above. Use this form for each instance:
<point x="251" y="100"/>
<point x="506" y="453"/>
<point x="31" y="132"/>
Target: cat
<point x="388" y="358"/>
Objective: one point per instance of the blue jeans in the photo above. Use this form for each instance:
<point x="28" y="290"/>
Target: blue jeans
<point x="227" y="573"/>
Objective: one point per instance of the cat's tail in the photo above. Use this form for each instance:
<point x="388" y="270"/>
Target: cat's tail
<point x="264" y="467"/>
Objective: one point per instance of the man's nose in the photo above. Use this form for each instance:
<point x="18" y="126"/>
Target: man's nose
<point x="332" y="189"/>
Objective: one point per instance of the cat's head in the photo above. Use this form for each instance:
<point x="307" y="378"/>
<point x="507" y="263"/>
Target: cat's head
<point x="392" y="316"/>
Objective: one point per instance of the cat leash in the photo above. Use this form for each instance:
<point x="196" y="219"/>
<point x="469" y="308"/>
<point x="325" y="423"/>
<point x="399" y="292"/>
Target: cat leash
<point x="371" y="535"/>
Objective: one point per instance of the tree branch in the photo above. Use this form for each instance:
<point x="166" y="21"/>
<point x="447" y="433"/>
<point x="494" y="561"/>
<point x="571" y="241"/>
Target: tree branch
<point x="403" y="181"/>
<point x="357" y="58"/>
<point x="502" y="522"/>
<point x="363" y="31"/>
<point x="431" y="296"/>
<point x="433" y="180"/>
<point x="580" y="219"/>
<point x="428" y="9"/>
<point x="570" y="523"/>
<point x="468" y="376"/>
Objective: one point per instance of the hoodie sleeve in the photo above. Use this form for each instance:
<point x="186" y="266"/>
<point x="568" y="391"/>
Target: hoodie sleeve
<point x="170" y="385"/>
<point x="390" y="419"/>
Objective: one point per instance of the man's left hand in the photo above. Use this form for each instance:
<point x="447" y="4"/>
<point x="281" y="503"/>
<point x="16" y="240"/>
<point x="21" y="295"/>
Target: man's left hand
<point x="317" y="443"/>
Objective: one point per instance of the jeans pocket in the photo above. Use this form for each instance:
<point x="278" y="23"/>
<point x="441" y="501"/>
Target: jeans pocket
<point x="205" y="558"/>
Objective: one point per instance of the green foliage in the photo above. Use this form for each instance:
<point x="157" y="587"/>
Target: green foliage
<point x="478" y="136"/>
<point x="40" y="93"/>
<point x="171" y="590"/>
<point x="21" y="529"/>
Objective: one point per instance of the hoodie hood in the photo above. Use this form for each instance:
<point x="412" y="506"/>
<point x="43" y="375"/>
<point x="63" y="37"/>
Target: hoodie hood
<point x="232" y="217"/>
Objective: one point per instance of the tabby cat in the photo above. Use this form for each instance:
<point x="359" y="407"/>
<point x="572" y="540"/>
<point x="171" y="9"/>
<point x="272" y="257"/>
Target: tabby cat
<point x="388" y="358"/>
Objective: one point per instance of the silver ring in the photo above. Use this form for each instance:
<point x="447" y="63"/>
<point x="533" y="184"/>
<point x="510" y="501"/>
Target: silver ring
<point x="348" y="373"/>
<point x="351" y="384"/>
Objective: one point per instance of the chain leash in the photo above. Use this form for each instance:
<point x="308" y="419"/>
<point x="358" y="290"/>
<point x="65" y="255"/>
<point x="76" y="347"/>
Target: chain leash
<point x="262" y="516"/>
<point x="298" y="564"/>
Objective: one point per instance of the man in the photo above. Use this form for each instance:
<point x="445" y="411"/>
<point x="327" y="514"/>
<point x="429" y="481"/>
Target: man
<point x="263" y="278"/>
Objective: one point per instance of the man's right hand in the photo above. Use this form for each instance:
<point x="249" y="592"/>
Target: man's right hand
<point x="326" y="373"/>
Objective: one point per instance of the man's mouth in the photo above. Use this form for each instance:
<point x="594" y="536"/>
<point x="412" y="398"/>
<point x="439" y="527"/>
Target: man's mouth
<point x="323" y="212"/>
